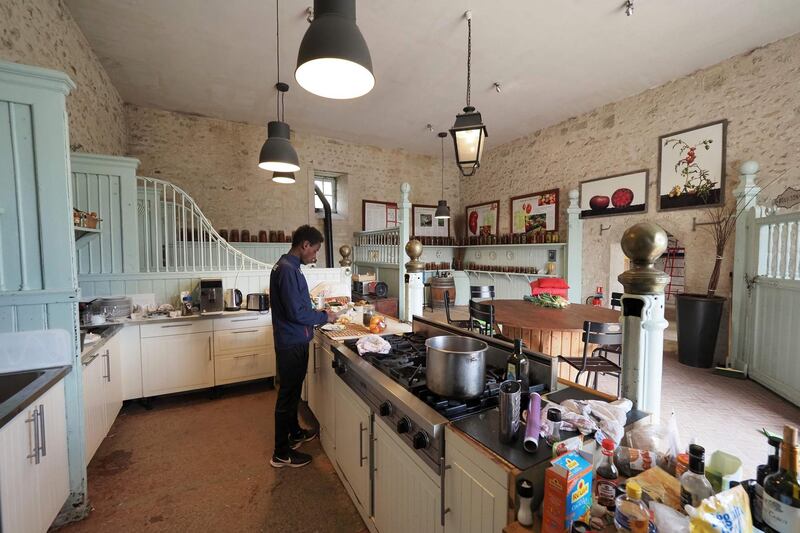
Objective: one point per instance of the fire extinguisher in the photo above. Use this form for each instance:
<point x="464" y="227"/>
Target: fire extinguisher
<point x="597" y="300"/>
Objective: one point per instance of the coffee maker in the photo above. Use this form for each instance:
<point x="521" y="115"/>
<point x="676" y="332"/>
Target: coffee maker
<point x="211" y="296"/>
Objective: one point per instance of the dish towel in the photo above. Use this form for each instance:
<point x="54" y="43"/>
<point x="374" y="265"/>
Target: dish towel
<point x="372" y="344"/>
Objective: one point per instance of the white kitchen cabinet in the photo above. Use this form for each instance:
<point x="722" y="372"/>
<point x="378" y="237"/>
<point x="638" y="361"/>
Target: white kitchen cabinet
<point x="476" y="499"/>
<point x="130" y="362"/>
<point x="34" y="472"/>
<point x="94" y="403"/>
<point x="407" y="495"/>
<point x="352" y="441"/>
<point x="175" y="363"/>
<point x="244" y="350"/>
<point x="319" y="382"/>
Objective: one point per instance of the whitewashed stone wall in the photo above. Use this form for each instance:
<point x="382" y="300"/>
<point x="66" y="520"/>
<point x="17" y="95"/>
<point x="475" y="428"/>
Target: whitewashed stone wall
<point x="216" y="162"/>
<point x="44" y="34"/>
<point x="757" y="92"/>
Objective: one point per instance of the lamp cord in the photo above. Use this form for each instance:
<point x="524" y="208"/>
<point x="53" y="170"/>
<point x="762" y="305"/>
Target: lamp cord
<point x="278" y="54"/>
<point x="469" y="56"/>
<point x="442" y="139"/>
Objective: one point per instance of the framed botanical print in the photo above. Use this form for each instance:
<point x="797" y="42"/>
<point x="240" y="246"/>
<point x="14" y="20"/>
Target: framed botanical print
<point x="534" y="212"/>
<point x="426" y="225"/>
<point x="482" y="219"/>
<point x="620" y="194"/>
<point x="691" y="167"/>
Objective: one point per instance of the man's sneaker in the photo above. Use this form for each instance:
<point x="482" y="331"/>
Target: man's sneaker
<point x="305" y="435"/>
<point x="292" y="459"/>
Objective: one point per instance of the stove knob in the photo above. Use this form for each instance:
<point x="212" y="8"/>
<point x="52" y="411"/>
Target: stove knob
<point x="421" y="440"/>
<point x="404" y="425"/>
<point x="385" y="409"/>
<point x="338" y="367"/>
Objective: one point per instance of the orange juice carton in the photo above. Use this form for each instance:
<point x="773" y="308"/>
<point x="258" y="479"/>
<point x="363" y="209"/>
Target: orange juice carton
<point x="567" y="492"/>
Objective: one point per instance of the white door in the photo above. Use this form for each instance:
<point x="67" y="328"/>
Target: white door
<point x="130" y="362"/>
<point x="113" y="384"/>
<point x="477" y="502"/>
<point x="177" y="363"/>
<point x="94" y="404"/>
<point x="19" y="487"/>
<point x="352" y="441"/>
<point x="53" y="471"/>
<point x="406" y="497"/>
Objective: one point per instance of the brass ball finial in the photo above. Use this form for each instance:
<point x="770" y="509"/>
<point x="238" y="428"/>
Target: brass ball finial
<point x="643" y="243"/>
<point x="346" y="251"/>
<point x="414" y="250"/>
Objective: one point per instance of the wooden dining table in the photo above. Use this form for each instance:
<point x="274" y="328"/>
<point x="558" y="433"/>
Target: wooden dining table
<point x="550" y="331"/>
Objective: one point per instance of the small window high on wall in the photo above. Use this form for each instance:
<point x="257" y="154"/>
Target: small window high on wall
<point x="328" y="184"/>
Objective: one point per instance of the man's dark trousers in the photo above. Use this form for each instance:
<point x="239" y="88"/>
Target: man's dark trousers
<point x="292" y="363"/>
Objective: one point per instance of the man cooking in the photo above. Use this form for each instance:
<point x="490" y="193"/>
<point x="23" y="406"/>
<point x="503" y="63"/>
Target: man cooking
<point x="293" y="321"/>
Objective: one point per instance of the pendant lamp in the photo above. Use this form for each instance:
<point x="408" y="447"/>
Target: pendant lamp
<point x="333" y="60"/>
<point x="469" y="133"/>
<point x="278" y="154"/>
<point x="442" y="210"/>
<point x="283" y="177"/>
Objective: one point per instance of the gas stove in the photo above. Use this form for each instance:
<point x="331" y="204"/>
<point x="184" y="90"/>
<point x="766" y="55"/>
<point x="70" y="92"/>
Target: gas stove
<point x="393" y="384"/>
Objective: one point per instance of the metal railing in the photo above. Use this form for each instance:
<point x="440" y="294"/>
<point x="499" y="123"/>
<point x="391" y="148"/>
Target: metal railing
<point x="780" y="242"/>
<point x="379" y="246"/>
<point x="175" y="236"/>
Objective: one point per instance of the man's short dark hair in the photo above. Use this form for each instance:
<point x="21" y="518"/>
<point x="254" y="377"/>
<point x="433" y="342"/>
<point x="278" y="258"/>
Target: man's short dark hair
<point x="306" y="233"/>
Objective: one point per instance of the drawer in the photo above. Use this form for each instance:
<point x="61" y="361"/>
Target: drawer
<point x="176" y="328"/>
<point x="242" y="340"/>
<point x="233" y="368"/>
<point x="247" y="321"/>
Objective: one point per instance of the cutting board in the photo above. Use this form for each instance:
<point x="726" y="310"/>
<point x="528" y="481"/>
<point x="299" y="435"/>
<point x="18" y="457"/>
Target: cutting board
<point x="351" y="331"/>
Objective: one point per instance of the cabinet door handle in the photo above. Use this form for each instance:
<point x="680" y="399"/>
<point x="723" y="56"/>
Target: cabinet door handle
<point x="36" y="450"/>
<point x="245" y="331"/>
<point x="314" y="364"/>
<point x="43" y="444"/>
<point x="443" y="468"/>
<point x="244" y="319"/>
<point x="186" y="324"/>
<point x="248" y="355"/>
<point x="106" y="376"/>
<point x="108" y="364"/>
<point x="361" y="458"/>
<point x="209" y="347"/>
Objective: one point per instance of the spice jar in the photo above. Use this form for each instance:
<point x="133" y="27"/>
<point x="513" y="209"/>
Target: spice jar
<point x="553" y="426"/>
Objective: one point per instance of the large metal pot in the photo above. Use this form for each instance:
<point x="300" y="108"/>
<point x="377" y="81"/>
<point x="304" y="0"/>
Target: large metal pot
<point x="456" y="366"/>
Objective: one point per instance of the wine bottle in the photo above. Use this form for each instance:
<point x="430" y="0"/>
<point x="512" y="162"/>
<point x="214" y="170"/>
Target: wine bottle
<point x="513" y="362"/>
<point x="694" y="486"/>
<point x="781" y="505"/>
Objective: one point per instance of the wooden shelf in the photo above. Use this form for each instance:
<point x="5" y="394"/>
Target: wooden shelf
<point x="82" y="233"/>
<point x="527" y="275"/>
<point x="521" y="245"/>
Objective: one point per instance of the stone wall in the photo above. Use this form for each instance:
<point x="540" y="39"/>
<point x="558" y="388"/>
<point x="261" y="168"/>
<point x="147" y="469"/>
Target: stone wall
<point x="44" y="34"/>
<point x="757" y="92"/>
<point x="216" y="162"/>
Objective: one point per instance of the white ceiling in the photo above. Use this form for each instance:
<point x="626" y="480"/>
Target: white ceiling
<point x="554" y="59"/>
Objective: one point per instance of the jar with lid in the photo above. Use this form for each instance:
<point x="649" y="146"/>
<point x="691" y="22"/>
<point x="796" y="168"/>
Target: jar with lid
<point x="553" y="434"/>
<point x="369" y="312"/>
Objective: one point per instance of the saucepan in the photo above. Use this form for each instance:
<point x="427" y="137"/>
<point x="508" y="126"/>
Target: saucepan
<point x="456" y="366"/>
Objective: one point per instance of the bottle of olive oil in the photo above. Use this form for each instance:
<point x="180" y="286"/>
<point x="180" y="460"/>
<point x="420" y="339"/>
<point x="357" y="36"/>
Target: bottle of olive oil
<point x="781" y="505"/>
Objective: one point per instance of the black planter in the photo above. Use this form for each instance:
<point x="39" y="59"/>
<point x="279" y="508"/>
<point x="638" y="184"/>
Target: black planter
<point x="698" y="326"/>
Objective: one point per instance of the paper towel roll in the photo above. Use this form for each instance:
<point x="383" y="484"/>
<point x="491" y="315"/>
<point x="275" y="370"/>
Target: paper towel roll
<point x="532" y="429"/>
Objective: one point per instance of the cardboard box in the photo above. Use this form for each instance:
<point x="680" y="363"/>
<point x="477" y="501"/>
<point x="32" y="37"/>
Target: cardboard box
<point x="363" y="277"/>
<point x="567" y="492"/>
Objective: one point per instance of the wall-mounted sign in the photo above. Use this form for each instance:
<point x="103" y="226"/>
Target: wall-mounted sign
<point x="377" y="215"/>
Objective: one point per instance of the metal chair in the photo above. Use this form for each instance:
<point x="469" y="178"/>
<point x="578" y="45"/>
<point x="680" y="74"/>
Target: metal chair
<point x="605" y="335"/>
<point x="481" y="292"/>
<point x="616" y="300"/>
<point x="481" y="319"/>
<point x="457" y="323"/>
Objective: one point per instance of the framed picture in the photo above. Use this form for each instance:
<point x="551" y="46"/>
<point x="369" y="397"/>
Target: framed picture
<point x="377" y="215"/>
<point x="691" y="167"/>
<point x="534" y="212"/>
<point x="482" y="219"/>
<point x="425" y="225"/>
<point x="620" y="194"/>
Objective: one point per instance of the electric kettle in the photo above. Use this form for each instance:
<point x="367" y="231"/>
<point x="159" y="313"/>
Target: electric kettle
<point x="233" y="299"/>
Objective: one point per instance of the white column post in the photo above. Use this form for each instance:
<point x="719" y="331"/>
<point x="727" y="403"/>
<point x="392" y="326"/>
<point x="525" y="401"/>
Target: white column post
<point x="404" y="215"/>
<point x="574" y="248"/>
<point x="744" y="260"/>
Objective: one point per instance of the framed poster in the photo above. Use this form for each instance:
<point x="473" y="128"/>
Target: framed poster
<point x="534" y="212"/>
<point x="426" y="225"/>
<point x="621" y="194"/>
<point x="377" y="215"/>
<point x="482" y="219"/>
<point x="691" y="167"/>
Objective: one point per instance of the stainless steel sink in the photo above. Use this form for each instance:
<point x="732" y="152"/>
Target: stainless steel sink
<point x="10" y="384"/>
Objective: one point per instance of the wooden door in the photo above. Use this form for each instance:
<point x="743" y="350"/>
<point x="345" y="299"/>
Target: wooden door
<point x="477" y="502"/>
<point x="53" y="471"/>
<point x="407" y="498"/>
<point x="19" y="487"/>
<point x="94" y="405"/>
<point x="352" y="434"/>
<point x="176" y="363"/>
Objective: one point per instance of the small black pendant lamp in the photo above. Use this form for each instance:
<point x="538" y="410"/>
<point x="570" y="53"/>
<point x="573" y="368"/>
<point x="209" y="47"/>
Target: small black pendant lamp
<point x="442" y="210"/>
<point x="283" y="177"/>
<point x="333" y="60"/>
<point x="469" y="133"/>
<point x="277" y="153"/>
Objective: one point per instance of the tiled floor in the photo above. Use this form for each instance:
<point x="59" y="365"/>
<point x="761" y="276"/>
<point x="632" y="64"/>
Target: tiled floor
<point x="719" y="413"/>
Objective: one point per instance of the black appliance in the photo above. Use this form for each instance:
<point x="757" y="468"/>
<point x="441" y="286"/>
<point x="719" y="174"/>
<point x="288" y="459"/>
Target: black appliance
<point x="258" y="301"/>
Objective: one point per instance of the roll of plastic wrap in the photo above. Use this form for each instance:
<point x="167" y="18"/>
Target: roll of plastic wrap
<point x="531" y="442"/>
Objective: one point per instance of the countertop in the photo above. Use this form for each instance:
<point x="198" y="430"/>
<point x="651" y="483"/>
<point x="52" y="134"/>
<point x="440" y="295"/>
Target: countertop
<point x="161" y="319"/>
<point x="20" y="397"/>
<point x="484" y="429"/>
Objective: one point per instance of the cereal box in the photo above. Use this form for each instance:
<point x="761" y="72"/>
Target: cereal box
<point x="567" y="492"/>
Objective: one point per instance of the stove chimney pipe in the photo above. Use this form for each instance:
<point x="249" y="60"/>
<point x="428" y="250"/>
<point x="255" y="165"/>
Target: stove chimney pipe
<point x="327" y="228"/>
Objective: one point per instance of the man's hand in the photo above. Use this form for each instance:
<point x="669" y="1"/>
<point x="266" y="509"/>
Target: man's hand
<point x="332" y="316"/>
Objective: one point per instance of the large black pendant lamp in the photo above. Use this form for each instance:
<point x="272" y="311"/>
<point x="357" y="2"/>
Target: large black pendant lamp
<point x="334" y="60"/>
<point x="469" y="133"/>
<point x="442" y="210"/>
<point x="278" y="154"/>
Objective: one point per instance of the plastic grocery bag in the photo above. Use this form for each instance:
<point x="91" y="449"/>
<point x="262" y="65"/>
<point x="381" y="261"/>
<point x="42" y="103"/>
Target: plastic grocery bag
<point x="727" y="512"/>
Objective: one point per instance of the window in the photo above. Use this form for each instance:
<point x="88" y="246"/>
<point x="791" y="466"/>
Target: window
<point x="327" y="185"/>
